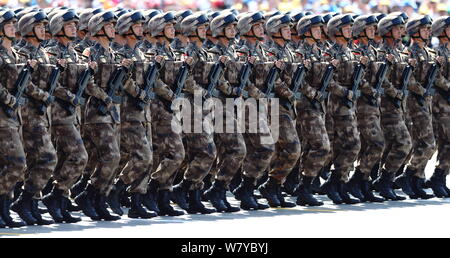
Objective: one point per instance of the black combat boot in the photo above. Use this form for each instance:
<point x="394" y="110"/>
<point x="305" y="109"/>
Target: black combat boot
<point x="65" y="212"/>
<point x="196" y="205"/>
<point x="269" y="191"/>
<point x="244" y="193"/>
<point x="417" y="188"/>
<point x="86" y="202"/>
<point x="23" y="207"/>
<point x="404" y="181"/>
<point x="346" y="198"/>
<point x="235" y="182"/>
<point x="149" y="200"/>
<point x="375" y="170"/>
<point x="214" y="195"/>
<point x="437" y="184"/>
<point x="354" y="185"/>
<point x="304" y="193"/>
<point x="101" y="207"/>
<point x="180" y="194"/>
<point x="137" y="210"/>
<point x="292" y="180"/>
<point x="37" y="214"/>
<point x="79" y="186"/>
<point x="53" y="202"/>
<point x="230" y="208"/>
<point x="444" y="184"/>
<point x="5" y="204"/>
<point x="330" y="187"/>
<point x="2" y="223"/>
<point x="384" y="185"/>
<point x="164" y="204"/>
<point x="283" y="202"/>
<point x="368" y="194"/>
<point x="71" y="207"/>
<point x="207" y="183"/>
<point x="114" y="197"/>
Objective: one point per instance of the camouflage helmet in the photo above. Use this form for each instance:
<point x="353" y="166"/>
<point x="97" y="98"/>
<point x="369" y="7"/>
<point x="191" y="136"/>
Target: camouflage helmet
<point x="275" y="23"/>
<point x="247" y="21"/>
<point x="413" y="25"/>
<point x="380" y="16"/>
<point x="297" y="15"/>
<point x="219" y="23"/>
<point x="327" y="16"/>
<point x="336" y="23"/>
<point x="270" y="14"/>
<point x="127" y="20"/>
<point x="386" y="24"/>
<point x="179" y="17"/>
<point x="99" y="20"/>
<point x="363" y="22"/>
<point x="212" y="15"/>
<point x="401" y="14"/>
<point x="60" y="19"/>
<point x="7" y="16"/>
<point x="305" y="23"/>
<point x="27" y="22"/>
<point x="158" y="22"/>
<point x="86" y="15"/>
<point x="190" y="24"/>
<point x="439" y="25"/>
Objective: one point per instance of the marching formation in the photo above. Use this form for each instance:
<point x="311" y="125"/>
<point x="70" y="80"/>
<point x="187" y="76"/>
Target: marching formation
<point x="86" y="117"/>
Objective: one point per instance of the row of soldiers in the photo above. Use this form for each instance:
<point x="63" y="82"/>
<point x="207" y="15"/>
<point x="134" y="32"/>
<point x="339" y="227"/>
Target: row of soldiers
<point x="86" y="110"/>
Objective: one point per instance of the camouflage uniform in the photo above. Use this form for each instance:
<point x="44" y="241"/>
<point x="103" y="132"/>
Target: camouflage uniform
<point x="12" y="155"/>
<point x="102" y="132"/>
<point x="41" y="155"/>
<point x="72" y="155"/>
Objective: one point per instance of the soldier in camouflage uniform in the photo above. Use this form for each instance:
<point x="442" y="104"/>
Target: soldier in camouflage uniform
<point x="180" y="42"/>
<point x="12" y="155"/>
<point x="346" y="144"/>
<point x="367" y="112"/>
<point x="310" y="120"/>
<point x="72" y="155"/>
<point x="146" y="43"/>
<point x="168" y="146"/>
<point x="287" y="148"/>
<point x="41" y="155"/>
<point x="101" y="130"/>
<point x="441" y="109"/>
<point x="424" y="144"/>
<point x="397" y="138"/>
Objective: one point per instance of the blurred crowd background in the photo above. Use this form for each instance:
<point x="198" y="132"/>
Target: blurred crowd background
<point x="434" y="8"/>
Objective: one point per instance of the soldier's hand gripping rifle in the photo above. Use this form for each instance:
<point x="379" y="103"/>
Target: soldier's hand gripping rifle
<point x="270" y="82"/>
<point x="381" y="76"/>
<point x="244" y="77"/>
<point x="149" y="83"/>
<point x="23" y="79"/>
<point x="356" y="81"/>
<point x="406" y="76"/>
<point x="114" y="87"/>
<point x="325" y="83"/>
<point x="430" y="80"/>
<point x="297" y="81"/>
<point x="214" y="75"/>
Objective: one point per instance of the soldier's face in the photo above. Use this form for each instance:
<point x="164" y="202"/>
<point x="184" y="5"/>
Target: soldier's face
<point x="9" y="30"/>
<point x="370" y="32"/>
<point x="258" y="30"/>
<point x="201" y="30"/>
<point x="347" y="31"/>
<point x="169" y="31"/>
<point x="70" y="29"/>
<point x="286" y="32"/>
<point x="230" y="31"/>
<point x="138" y="29"/>
<point x="397" y="32"/>
<point x="425" y="32"/>
<point x="110" y="30"/>
<point x="447" y="32"/>
<point x="39" y="30"/>
<point x="316" y="32"/>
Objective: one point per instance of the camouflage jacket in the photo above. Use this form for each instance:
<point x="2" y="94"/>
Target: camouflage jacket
<point x="215" y="53"/>
<point x="67" y="85"/>
<point x="83" y="44"/>
<point x="444" y="82"/>
<point x="425" y="57"/>
<point x="37" y="89"/>
<point x="163" y="86"/>
<point x="9" y="72"/>
<point x="197" y="75"/>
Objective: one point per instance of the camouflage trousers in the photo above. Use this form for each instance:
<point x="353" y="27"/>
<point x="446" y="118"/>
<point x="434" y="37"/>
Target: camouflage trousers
<point x="372" y="142"/>
<point x="41" y="157"/>
<point x="346" y="144"/>
<point x="12" y="159"/>
<point x="441" y="112"/>
<point x="260" y="147"/>
<point x="315" y="143"/>
<point x="92" y="155"/>
<point x="423" y="140"/>
<point x="168" y="146"/>
<point x="397" y="141"/>
<point x="72" y="156"/>
<point x="287" y="148"/>
<point x="103" y="140"/>
<point x="136" y="156"/>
